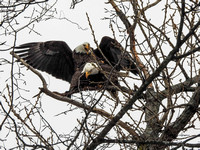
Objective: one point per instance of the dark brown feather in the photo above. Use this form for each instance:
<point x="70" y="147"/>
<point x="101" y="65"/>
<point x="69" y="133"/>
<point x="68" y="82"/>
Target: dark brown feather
<point x="114" y="53"/>
<point x="53" y="57"/>
<point x="81" y="58"/>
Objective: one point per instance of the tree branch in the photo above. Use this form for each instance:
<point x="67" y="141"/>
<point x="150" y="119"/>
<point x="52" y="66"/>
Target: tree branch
<point x="165" y="143"/>
<point x="180" y="87"/>
<point x="187" y="54"/>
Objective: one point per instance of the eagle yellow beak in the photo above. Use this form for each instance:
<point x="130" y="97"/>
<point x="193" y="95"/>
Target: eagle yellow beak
<point x="87" y="74"/>
<point x="87" y="47"/>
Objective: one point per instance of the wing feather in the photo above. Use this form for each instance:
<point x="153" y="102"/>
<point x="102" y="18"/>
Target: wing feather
<point x="53" y="57"/>
<point x="113" y="51"/>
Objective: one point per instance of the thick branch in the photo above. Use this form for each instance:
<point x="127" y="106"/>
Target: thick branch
<point x="166" y="143"/>
<point x="172" y="131"/>
<point x="187" y="54"/>
<point x="180" y="87"/>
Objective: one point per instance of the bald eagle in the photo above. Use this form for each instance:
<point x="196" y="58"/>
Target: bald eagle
<point x="57" y="58"/>
<point x="93" y="76"/>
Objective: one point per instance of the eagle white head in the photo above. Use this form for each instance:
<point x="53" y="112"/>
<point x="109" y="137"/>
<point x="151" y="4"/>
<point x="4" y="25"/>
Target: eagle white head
<point x="90" y="69"/>
<point x="83" y="48"/>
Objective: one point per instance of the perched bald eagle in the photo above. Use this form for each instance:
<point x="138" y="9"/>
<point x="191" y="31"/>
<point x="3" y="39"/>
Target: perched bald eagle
<point x="93" y="76"/>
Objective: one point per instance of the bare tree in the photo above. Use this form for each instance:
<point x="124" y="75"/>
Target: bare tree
<point x="154" y="109"/>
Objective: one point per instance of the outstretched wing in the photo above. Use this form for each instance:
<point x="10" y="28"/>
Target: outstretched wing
<point x="53" y="57"/>
<point x="114" y="53"/>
